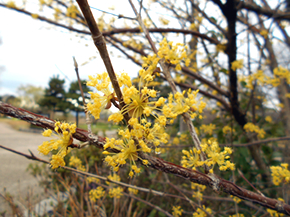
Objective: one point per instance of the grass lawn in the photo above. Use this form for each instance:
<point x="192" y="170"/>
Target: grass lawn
<point x="100" y="126"/>
<point x="20" y="124"/>
<point x="15" y="123"/>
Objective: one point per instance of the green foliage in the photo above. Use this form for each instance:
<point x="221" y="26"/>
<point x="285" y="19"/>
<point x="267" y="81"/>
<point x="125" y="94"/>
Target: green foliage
<point x="55" y="95"/>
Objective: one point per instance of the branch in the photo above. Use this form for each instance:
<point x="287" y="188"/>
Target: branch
<point x="102" y="48"/>
<point x="276" y="14"/>
<point x="235" y="145"/>
<point x="121" y="30"/>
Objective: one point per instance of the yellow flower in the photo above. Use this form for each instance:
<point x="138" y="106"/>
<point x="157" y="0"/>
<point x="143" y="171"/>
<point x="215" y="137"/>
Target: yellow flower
<point x="76" y="162"/>
<point x="177" y="211"/>
<point x="178" y="104"/>
<point x="264" y="33"/>
<point x="236" y="199"/>
<point x="237" y="64"/>
<point x="197" y="191"/>
<point x="191" y="159"/>
<point x="92" y="179"/>
<point x="250" y="127"/>
<point x="34" y="16"/>
<point x="201" y="213"/>
<point x="208" y="128"/>
<point x="227" y="129"/>
<point x="113" y="177"/>
<point x="11" y="4"/>
<point x="274" y="213"/>
<point x="164" y="21"/>
<point x="215" y="156"/>
<point x="128" y="151"/>
<point x="137" y="102"/>
<point x="115" y="192"/>
<point x="103" y="84"/>
<point x="133" y="191"/>
<point x="97" y="193"/>
<point x="72" y="11"/>
<point x="280" y="174"/>
<point x="61" y="144"/>
<point x="268" y="119"/>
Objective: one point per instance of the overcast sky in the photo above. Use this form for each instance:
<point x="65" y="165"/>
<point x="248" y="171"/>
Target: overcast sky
<point x="33" y="51"/>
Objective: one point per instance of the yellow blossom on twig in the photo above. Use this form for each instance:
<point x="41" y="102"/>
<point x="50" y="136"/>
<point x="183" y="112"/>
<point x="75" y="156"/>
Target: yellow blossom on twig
<point x="61" y="144"/>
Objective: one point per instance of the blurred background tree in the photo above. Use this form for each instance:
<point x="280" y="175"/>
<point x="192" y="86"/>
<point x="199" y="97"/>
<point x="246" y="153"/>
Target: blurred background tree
<point x="55" y="97"/>
<point x="75" y="98"/>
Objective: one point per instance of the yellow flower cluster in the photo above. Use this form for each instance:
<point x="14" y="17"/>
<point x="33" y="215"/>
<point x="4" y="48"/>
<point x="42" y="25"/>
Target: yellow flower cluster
<point x="72" y="11"/>
<point x="264" y="33"/>
<point x="148" y="67"/>
<point x="177" y="211"/>
<point x="179" y="104"/>
<point x="173" y="54"/>
<point x="197" y="191"/>
<point x="250" y="127"/>
<point x="133" y="191"/>
<point x="282" y="73"/>
<point x="208" y="129"/>
<point x="76" y="162"/>
<point x="102" y="83"/>
<point x="201" y="213"/>
<point x="11" y="4"/>
<point x="214" y="154"/>
<point x="97" y="193"/>
<point x="163" y="21"/>
<point x="236" y="199"/>
<point x="127" y="151"/>
<point x="228" y="129"/>
<point x="116" y="192"/>
<point x="132" y="42"/>
<point x="92" y="179"/>
<point x="114" y="177"/>
<point x="141" y="103"/>
<point x="269" y="119"/>
<point x="280" y="174"/>
<point x="262" y="79"/>
<point x="61" y="144"/>
<point x="221" y="47"/>
<point x="34" y="16"/>
<point x="180" y="79"/>
<point x="237" y="64"/>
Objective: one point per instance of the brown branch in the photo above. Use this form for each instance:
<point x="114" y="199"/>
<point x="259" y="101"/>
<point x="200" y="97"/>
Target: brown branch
<point x="235" y="145"/>
<point x="205" y="81"/>
<point x="163" y="30"/>
<point x="124" y="52"/>
<point x="276" y="14"/>
<point x="121" y="30"/>
<point x="102" y="48"/>
<point x="41" y="18"/>
<point x="210" y="180"/>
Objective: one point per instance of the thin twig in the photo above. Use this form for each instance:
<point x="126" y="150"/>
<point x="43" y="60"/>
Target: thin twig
<point x="242" y="175"/>
<point x="88" y="121"/>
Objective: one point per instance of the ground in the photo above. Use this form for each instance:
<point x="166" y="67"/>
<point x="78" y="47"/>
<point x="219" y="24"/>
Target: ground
<point x="14" y="178"/>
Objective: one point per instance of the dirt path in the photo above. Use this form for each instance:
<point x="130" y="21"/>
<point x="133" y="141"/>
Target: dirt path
<point x="13" y="175"/>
